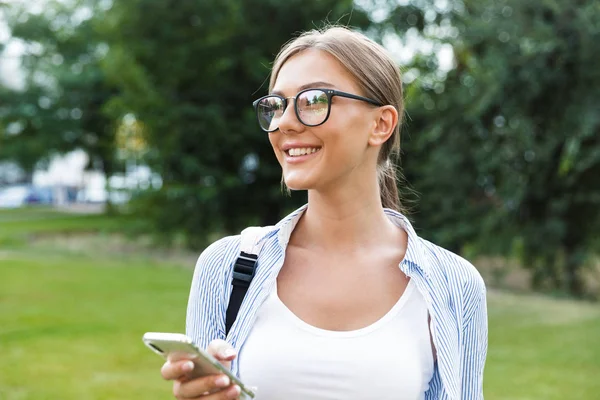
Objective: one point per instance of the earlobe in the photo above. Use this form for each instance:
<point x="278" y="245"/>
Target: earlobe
<point x="384" y="125"/>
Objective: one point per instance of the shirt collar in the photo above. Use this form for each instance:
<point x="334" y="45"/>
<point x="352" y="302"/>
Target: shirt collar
<point x="415" y="252"/>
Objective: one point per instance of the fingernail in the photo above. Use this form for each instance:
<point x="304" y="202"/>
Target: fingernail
<point x="222" y="381"/>
<point x="228" y="353"/>
<point x="236" y="390"/>
<point x="187" y="366"/>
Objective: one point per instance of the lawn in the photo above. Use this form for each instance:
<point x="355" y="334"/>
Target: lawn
<point x="73" y="309"/>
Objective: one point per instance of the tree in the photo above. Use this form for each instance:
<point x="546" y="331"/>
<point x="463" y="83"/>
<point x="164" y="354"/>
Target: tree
<point x="60" y="109"/>
<point x="505" y="147"/>
<point x="189" y="72"/>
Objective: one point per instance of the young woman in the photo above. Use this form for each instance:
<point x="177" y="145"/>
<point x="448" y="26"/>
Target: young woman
<point x="347" y="302"/>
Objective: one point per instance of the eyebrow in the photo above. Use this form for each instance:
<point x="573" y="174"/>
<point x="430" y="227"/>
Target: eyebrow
<point x="317" y="84"/>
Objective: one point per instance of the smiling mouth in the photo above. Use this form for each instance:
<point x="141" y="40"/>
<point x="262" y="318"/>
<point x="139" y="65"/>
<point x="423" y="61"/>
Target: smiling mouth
<point x="297" y="152"/>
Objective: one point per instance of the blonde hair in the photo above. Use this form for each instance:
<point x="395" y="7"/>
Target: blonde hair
<point x="377" y="76"/>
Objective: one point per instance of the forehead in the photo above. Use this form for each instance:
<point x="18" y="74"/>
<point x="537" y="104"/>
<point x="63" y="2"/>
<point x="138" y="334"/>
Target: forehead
<point x="310" y="66"/>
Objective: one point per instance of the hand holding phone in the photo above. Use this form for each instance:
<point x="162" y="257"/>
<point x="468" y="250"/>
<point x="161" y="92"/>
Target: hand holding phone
<point x="207" y="375"/>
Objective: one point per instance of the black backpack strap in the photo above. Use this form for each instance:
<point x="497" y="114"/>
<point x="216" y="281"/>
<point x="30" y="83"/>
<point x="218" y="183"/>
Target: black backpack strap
<point x="243" y="272"/>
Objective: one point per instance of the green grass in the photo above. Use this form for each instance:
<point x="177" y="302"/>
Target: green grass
<point x="16" y="226"/>
<point x="72" y="317"/>
<point x="541" y="348"/>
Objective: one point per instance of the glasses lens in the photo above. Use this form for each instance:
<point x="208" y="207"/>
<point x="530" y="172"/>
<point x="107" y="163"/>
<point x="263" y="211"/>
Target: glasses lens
<point x="313" y="106"/>
<point x="269" y="111"/>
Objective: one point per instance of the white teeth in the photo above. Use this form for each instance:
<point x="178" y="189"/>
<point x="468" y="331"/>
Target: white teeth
<point x="302" y="151"/>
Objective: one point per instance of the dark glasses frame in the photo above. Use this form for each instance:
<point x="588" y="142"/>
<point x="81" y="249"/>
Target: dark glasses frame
<point x="330" y="94"/>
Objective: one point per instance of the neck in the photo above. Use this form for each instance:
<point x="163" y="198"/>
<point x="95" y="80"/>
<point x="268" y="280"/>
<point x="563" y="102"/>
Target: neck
<point x="345" y="219"/>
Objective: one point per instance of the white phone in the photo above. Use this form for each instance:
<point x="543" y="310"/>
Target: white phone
<point x="177" y="346"/>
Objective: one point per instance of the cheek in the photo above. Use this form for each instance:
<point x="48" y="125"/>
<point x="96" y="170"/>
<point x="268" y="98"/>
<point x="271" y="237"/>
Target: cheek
<point x="273" y="141"/>
<point x="345" y="153"/>
<point x="350" y="138"/>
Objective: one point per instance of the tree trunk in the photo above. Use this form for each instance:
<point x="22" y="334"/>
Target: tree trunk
<point x="574" y="261"/>
<point x="108" y="170"/>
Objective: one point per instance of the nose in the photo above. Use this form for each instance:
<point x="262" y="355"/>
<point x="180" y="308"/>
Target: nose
<point x="289" y="123"/>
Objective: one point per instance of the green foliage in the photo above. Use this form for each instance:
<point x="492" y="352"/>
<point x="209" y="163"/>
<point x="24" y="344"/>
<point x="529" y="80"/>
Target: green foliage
<point x="505" y="147"/>
<point x="189" y="72"/>
<point x="61" y="106"/>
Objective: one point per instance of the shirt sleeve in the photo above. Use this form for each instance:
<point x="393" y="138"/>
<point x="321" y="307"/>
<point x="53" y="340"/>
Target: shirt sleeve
<point x="205" y="320"/>
<point x="475" y="342"/>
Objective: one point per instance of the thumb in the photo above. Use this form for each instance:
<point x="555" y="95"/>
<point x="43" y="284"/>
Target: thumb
<point x="222" y="351"/>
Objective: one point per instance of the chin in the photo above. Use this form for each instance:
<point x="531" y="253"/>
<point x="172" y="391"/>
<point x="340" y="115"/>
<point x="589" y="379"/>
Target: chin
<point x="297" y="187"/>
<point x="298" y="183"/>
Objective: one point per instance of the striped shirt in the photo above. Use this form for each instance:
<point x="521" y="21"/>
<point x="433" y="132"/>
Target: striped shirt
<point x="453" y="289"/>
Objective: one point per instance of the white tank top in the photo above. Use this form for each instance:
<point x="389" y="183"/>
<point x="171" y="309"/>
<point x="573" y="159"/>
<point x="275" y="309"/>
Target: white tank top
<point x="286" y="358"/>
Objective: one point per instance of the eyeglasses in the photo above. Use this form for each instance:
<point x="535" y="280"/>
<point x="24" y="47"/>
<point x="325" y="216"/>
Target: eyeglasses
<point x="312" y="107"/>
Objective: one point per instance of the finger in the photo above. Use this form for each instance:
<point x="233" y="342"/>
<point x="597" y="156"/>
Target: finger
<point x="222" y="351"/>
<point x="176" y="369"/>
<point x="210" y="387"/>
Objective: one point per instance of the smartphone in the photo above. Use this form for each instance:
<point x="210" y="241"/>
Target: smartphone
<point x="177" y="346"/>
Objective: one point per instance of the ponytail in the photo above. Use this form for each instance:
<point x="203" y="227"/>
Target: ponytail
<point x="388" y="187"/>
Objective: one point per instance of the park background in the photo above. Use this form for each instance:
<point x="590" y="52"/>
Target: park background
<point x="500" y="163"/>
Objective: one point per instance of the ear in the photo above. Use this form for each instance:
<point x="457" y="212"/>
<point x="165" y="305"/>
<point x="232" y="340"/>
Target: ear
<point x="386" y="119"/>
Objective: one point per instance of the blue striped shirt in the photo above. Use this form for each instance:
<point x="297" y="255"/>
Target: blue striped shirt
<point x="453" y="288"/>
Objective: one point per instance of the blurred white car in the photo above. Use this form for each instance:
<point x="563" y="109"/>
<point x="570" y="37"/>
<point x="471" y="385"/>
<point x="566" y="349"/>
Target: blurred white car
<point x="98" y="194"/>
<point x="22" y="195"/>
